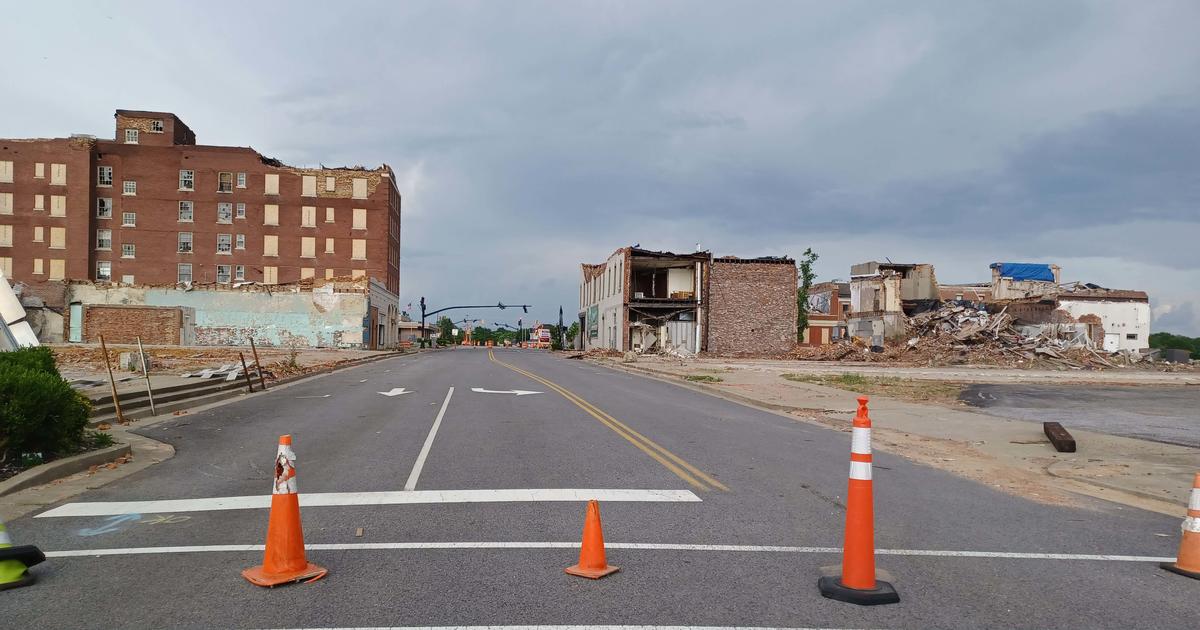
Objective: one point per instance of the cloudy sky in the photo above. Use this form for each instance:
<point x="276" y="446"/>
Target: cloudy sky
<point x="528" y="137"/>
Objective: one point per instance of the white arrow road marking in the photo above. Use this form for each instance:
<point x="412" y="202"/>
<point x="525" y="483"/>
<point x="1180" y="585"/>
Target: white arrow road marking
<point x="519" y="392"/>
<point x="325" y="396"/>
<point x="395" y="391"/>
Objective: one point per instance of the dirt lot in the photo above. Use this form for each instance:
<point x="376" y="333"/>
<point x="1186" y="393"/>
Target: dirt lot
<point x="942" y="392"/>
<point x="87" y="360"/>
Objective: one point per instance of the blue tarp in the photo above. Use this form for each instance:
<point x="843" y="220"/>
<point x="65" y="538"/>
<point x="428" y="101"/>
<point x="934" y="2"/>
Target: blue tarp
<point x="1025" y="271"/>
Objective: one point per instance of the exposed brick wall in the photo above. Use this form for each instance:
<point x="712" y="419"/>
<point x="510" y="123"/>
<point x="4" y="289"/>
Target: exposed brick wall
<point x="752" y="307"/>
<point x="124" y="324"/>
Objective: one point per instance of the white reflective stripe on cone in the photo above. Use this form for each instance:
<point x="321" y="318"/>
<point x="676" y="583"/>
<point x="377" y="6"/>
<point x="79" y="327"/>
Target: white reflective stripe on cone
<point x="1194" y="500"/>
<point x="285" y="471"/>
<point x="861" y="441"/>
<point x="860" y="471"/>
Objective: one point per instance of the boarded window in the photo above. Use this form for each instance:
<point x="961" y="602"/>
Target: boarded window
<point x="360" y="188"/>
<point x="58" y="268"/>
<point x="38" y="266"/>
<point x="308" y="185"/>
<point x="358" y="273"/>
<point x="271" y="184"/>
<point x="328" y="246"/>
<point x="6" y="266"/>
<point x="58" y="205"/>
<point x="270" y="275"/>
<point x="306" y="272"/>
<point x="58" y="238"/>
<point x="330" y="184"/>
<point x="270" y="245"/>
<point x="58" y="174"/>
<point x="39" y="234"/>
<point x="6" y="172"/>
<point x="39" y="202"/>
<point x="6" y="203"/>
<point x="329" y="274"/>
<point x="358" y="250"/>
<point x="39" y="170"/>
<point x="329" y="215"/>
<point x="6" y="232"/>
<point x="270" y="214"/>
<point x="308" y="247"/>
<point x="360" y="219"/>
<point x="308" y="216"/>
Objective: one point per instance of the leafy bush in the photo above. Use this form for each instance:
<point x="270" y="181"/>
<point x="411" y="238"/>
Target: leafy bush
<point x="39" y="359"/>
<point x="39" y="412"/>
<point x="1167" y="340"/>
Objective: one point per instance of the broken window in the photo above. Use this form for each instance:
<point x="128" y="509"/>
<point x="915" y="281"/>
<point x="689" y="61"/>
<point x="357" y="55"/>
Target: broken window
<point x="185" y="243"/>
<point x="183" y="273"/>
<point x="103" y="208"/>
<point x="223" y="273"/>
<point x="185" y="211"/>
<point x="103" y="271"/>
<point x="104" y="176"/>
<point x="156" y="126"/>
<point x="239" y="272"/>
<point x="225" y="182"/>
<point x="103" y="239"/>
<point x="187" y="180"/>
<point x="224" y="213"/>
<point x="224" y="243"/>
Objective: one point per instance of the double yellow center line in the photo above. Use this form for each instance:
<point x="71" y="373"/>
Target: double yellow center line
<point x="671" y="461"/>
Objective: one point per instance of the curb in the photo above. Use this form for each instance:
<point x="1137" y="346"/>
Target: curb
<point x="65" y="467"/>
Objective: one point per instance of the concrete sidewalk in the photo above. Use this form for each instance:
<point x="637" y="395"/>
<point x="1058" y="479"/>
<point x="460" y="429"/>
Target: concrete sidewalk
<point x="1012" y="455"/>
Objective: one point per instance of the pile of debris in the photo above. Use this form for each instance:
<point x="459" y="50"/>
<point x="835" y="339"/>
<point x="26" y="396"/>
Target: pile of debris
<point x="956" y="334"/>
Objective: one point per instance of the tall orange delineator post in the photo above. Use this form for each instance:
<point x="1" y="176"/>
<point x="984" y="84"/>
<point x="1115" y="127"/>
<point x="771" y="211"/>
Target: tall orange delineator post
<point x="283" y="559"/>
<point x="1187" y="562"/>
<point x="857" y="583"/>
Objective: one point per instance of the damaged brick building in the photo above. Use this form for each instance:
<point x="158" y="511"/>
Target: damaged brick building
<point x="153" y="208"/>
<point x="649" y="301"/>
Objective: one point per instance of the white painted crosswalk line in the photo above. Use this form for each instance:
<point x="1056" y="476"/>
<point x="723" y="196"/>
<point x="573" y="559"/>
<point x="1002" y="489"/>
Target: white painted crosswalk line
<point x="401" y="497"/>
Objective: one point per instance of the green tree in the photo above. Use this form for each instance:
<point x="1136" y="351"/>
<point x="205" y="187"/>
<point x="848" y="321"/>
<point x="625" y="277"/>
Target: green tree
<point x="806" y="281"/>
<point x="572" y="332"/>
<point x="445" y="331"/>
<point x="1166" y="341"/>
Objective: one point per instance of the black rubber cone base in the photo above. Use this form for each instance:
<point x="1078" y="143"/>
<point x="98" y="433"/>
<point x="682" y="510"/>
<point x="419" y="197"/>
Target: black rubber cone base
<point x="883" y="593"/>
<point x="1170" y="566"/>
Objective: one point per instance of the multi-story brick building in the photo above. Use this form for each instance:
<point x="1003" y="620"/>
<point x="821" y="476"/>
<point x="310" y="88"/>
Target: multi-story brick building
<point x="153" y="207"/>
<point x="648" y="301"/>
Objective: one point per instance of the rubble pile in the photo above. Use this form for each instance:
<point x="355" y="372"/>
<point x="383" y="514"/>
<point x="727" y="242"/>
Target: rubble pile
<point x="956" y="334"/>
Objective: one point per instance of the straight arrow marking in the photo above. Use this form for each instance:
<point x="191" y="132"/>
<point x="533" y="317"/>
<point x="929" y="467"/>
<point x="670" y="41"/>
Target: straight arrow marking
<point x="395" y="391"/>
<point x="519" y="392"/>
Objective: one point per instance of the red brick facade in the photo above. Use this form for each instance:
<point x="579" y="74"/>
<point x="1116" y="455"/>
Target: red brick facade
<point x="156" y="325"/>
<point x="752" y="306"/>
<point x="305" y="215"/>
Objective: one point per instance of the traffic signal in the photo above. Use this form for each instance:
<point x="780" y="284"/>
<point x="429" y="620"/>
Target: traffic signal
<point x="525" y="308"/>
<point x="422" y="303"/>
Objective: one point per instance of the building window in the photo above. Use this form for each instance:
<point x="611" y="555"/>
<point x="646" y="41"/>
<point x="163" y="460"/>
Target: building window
<point x="270" y="214"/>
<point x="271" y="184"/>
<point x="103" y="208"/>
<point x="127" y="250"/>
<point x="308" y="185"/>
<point x="1132" y="336"/>
<point x="270" y="245"/>
<point x="329" y="215"/>
<point x="185" y="243"/>
<point x="38" y="266"/>
<point x="223" y="273"/>
<point x="360" y="219"/>
<point x="39" y="203"/>
<point x="39" y="234"/>
<point x="6" y="235"/>
<point x="240" y="241"/>
<point x="328" y="246"/>
<point x="104" y="176"/>
<point x="128" y="219"/>
<point x="224" y="243"/>
<point x="185" y="212"/>
<point x="239" y="272"/>
<point x="131" y="136"/>
<point x="308" y="247"/>
<point x="224" y="213"/>
<point x="39" y="171"/>
<point x="58" y="238"/>
<point x="241" y="211"/>
<point x="360" y="188"/>
<point x="127" y="279"/>
<point x="103" y="271"/>
<point x="129" y="188"/>
<point x="183" y="273"/>
<point x="225" y="182"/>
<point x="308" y="216"/>
<point x="241" y="180"/>
<point x="358" y="249"/>
<point x="156" y="126"/>
<point x="6" y="203"/>
<point x="270" y="275"/>
<point x="187" y="180"/>
<point x="58" y="174"/>
<point x="103" y="239"/>
<point x="307" y="273"/>
<point x="58" y="205"/>
<point x="330" y="184"/>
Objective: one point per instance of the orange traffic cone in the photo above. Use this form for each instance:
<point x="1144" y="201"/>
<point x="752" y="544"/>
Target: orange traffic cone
<point x="1188" y="560"/>
<point x="283" y="560"/>
<point x="857" y="583"/>
<point x="591" y="554"/>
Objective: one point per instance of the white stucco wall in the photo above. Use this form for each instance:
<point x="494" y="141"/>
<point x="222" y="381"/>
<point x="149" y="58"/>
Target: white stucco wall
<point x="606" y="292"/>
<point x="1117" y="317"/>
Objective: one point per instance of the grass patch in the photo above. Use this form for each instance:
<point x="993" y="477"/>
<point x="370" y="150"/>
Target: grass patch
<point x="916" y="390"/>
<point x="703" y="378"/>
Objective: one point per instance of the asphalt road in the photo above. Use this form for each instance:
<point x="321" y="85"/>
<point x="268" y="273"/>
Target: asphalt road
<point x="781" y="511"/>
<point x="1168" y="414"/>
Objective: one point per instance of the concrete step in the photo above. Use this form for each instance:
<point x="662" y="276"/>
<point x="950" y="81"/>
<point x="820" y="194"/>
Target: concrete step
<point x="168" y="407"/>
<point x="133" y="400"/>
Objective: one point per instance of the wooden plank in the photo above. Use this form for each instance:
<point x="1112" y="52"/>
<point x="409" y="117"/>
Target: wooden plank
<point x="1059" y="437"/>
